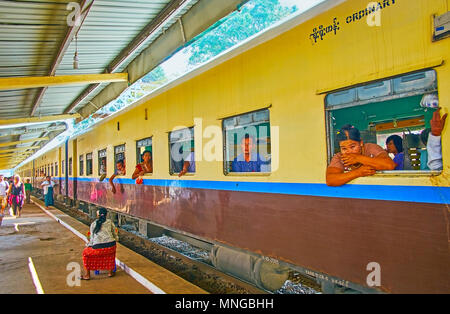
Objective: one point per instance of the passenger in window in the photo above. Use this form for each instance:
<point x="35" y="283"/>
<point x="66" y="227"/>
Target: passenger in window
<point x="102" y="169"/>
<point x="394" y="145"/>
<point x="248" y="160"/>
<point x="121" y="171"/>
<point x="356" y="159"/>
<point x="431" y="157"/>
<point x="144" y="167"/>
<point x="189" y="162"/>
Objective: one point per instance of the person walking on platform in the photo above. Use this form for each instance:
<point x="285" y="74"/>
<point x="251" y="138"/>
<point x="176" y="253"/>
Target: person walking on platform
<point x="100" y="253"/>
<point x="48" y="185"/>
<point x="16" y="195"/>
<point x="28" y="189"/>
<point x="4" y="187"/>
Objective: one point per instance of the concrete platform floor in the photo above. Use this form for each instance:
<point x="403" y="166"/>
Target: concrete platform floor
<point x="51" y="247"/>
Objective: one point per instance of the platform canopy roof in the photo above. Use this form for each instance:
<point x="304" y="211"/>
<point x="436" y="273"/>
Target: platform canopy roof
<point x="116" y="42"/>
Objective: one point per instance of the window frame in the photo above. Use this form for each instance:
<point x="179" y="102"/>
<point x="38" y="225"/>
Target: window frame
<point x="393" y="96"/>
<point x="172" y="173"/>
<point x="91" y="172"/>
<point x="224" y="141"/>
<point x="81" y="165"/>
<point x="105" y="150"/>
<point x="70" y="166"/>
<point x="138" y="153"/>
<point x="115" y="155"/>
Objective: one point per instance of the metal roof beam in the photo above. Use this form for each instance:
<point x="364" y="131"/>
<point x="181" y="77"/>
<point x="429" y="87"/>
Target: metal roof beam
<point x="39" y="139"/>
<point x="18" y="149"/>
<point x="46" y="119"/>
<point x="62" y="80"/>
<point x="168" y="11"/>
<point x="148" y="30"/>
<point x="72" y="31"/>
<point x="34" y="130"/>
<point x="25" y="154"/>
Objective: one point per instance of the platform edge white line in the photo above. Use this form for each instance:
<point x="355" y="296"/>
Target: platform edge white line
<point x="35" y="276"/>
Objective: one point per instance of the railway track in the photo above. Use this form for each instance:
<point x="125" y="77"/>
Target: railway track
<point x="192" y="263"/>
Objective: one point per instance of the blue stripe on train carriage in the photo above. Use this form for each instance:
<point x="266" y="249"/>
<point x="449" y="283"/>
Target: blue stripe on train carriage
<point x="420" y="194"/>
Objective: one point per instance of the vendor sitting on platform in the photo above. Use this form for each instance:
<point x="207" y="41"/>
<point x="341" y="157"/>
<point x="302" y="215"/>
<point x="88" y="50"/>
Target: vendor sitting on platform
<point x="100" y="253"/>
<point x="121" y="171"/>
<point x="356" y="159"/>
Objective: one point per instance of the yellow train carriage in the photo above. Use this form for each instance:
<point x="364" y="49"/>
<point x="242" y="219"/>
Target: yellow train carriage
<point x="297" y="83"/>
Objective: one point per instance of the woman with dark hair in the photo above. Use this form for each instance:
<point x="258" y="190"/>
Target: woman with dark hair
<point x="16" y="195"/>
<point x="100" y="253"/>
<point x="394" y="145"/>
<point x="356" y="159"/>
<point x="144" y="167"/>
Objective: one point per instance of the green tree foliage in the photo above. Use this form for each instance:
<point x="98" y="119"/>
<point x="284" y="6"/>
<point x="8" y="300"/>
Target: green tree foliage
<point x="253" y="17"/>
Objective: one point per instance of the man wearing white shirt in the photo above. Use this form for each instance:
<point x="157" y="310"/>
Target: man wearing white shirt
<point x="48" y="185"/>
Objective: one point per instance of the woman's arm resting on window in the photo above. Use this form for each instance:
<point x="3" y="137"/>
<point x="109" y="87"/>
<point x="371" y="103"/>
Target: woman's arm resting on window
<point x="379" y="162"/>
<point x="337" y="177"/>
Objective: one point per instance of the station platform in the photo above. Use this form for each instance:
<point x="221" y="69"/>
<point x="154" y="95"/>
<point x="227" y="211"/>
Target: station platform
<point x="40" y="250"/>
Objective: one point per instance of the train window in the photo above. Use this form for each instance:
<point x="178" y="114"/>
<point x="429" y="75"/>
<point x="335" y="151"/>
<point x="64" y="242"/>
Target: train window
<point x="62" y="167"/>
<point x="70" y="166"/>
<point x="181" y="150"/>
<point x="52" y="170"/>
<point x="89" y="164"/>
<point x="81" y="165"/>
<point x="56" y="169"/>
<point x="143" y="145"/>
<point x="247" y="143"/>
<point x="386" y="108"/>
<point x="102" y="162"/>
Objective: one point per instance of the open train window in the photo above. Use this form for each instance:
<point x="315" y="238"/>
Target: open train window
<point x="119" y="155"/>
<point x="81" y="165"/>
<point x="56" y="169"/>
<point x="400" y="106"/>
<point x="52" y="170"/>
<point x="62" y="167"/>
<point x="89" y="170"/>
<point x="181" y="150"/>
<point x="247" y="143"/>
<point x="102" y="162"/>
<point x="143" y="145"/>
<point x="70" y="166"/>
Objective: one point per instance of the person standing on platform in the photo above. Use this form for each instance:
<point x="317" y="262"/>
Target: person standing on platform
<point x="4" y="186"/>
<point x="28" y="189"/>
<point x="16" y="195"/>
<point x="48" y="185"/>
